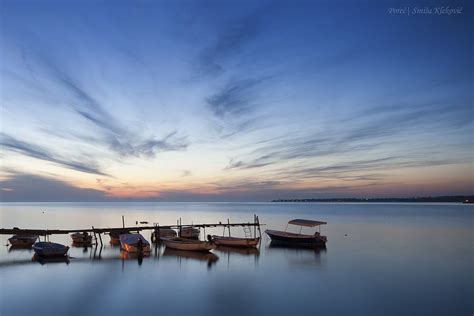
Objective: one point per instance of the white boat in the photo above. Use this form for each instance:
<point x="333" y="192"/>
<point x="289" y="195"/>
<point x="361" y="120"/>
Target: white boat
<point x="134" y="243"/>
<point x="190" y="232"/>
<point x="235" y="241"/>
<point x="187" y="244"/>
<point x="22" y="240"/>
<point x="81" y="238"/>
<point x="50" y="249"/>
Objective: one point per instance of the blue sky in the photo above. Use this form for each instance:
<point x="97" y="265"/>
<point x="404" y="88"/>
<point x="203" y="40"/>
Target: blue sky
<point x="234" y="100"/>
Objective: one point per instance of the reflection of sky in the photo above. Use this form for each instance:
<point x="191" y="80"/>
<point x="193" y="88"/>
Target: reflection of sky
<point x="395" y="260"/>
<point x="187" y="101"/>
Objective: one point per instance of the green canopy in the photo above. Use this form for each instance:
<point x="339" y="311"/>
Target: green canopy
<point x="306" y="222"/>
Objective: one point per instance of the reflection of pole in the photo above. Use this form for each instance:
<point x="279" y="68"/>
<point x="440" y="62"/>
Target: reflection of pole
<point x="123" y="221"/>
<point x="228" y="222"/>
<point x="100" y="238"/>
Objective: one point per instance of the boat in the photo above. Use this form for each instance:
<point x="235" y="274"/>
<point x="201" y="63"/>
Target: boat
<point x="50" y="249"/>
<point x="190" y="232"/>
<point x="289" y="238"/>
<point x="81" y="238"/>
<point x="162" y="232"/>
<point x="25" y="241"/>
<point x="187" y="244"/>
<point x="235" y="241"/>
<point x="167" y="232"/>
<point x="134" y="243"/>
<point x="115" y="236"/>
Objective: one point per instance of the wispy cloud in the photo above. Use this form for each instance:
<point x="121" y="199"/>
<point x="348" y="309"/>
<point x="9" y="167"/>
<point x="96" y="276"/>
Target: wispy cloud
<point x="372" y="129"/>
<point x="235" y="101"/>
<point x="31" y="150"/>
<point x="230" y="42"/>
<point x="113" y="135"/>
<point x="186" y="173"/>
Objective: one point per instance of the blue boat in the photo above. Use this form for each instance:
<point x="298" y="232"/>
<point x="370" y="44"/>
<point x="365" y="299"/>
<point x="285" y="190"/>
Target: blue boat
<point x="50" y="249"/>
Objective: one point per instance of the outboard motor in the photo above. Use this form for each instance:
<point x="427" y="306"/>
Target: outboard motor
<point x="209" y="238"/>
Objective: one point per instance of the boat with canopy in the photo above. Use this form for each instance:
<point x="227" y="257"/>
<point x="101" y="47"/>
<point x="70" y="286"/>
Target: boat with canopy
<point x="134" y="243"/>
<point x="290" y="238"/>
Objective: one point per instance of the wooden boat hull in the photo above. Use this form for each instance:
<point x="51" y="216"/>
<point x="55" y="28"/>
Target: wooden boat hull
<point x="134" y="243"/>
<point x="164" y="232"/>
<point x="135" y="249"/>
<point x="299" y="239"/>
<point x="190" y="232"/>
<point x="79" y="238"/>
<point x="22" y="241"/>
<point x="114" y="241"/>
<point x="187" y="244"/>
<point x="235" y="241"/>
<point x="50" y="249"/>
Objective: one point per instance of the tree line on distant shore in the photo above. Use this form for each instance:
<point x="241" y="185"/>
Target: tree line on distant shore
<point x="451" y="198"/>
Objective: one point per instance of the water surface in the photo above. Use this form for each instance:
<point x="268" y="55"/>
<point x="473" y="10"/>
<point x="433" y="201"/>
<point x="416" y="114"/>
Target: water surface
<point x="381" y="259"/>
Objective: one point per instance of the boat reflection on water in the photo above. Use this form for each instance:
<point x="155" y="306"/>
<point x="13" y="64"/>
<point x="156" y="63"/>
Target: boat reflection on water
<point x="289" y="245"/>
<point x="84" y="246"/>
<point x="44" y="260"/>
<point x="125" y="255"/>
<point x="20" y="249"/>
<point x="193" y="255"/>
<point x="241" y="251"/>
<point x="298" y="255"/>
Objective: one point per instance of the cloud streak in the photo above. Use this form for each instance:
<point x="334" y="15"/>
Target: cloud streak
<point x="113" y="135"/>
<point x="371" y="130"/>
<point x="229" y="43"/>
<point x="12" y="144"/>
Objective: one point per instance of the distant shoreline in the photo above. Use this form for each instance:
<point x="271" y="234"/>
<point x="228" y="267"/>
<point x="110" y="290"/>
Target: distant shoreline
<point x="467" y="199"/>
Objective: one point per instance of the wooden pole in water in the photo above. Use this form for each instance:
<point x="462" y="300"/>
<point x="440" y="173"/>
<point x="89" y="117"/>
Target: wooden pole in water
<point x="259" y="231"/>
<point x="255" y="223"/>
<point x="95" y="236"/>
<point x="228" y="222"/>
<point x="100" y="238"/>
<point x="123" y="221"/>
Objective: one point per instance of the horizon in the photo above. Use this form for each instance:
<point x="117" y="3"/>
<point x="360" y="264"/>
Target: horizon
<point x="233" y="102"/>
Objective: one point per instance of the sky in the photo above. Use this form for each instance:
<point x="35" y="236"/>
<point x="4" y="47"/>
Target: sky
<point x="234" y="100"/>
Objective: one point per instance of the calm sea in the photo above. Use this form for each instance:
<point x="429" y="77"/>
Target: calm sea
<point x="381" y="259"/>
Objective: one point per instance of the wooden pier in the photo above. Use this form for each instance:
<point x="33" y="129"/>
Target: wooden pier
<point x="135" y="229"/>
